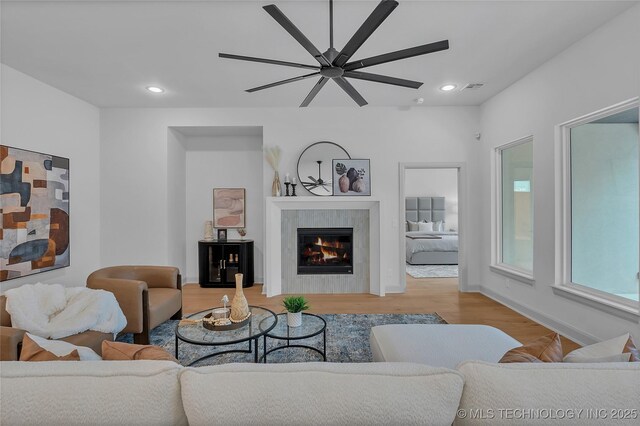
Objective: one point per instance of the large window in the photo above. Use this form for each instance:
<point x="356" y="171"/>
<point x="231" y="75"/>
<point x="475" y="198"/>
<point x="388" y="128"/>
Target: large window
<point x="602" y="198"/>
<point x="513" y="251"/>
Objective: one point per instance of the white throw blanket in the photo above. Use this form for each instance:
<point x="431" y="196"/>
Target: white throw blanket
<point x="53" y="311"/>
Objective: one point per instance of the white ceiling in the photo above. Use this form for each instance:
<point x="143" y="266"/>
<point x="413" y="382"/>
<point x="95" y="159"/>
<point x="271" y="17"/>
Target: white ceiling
<point x="107" y="52"/>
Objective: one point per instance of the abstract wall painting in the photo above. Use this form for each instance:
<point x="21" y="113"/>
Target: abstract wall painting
<point x="229" y="207"/>
<point x="34" y="212"/>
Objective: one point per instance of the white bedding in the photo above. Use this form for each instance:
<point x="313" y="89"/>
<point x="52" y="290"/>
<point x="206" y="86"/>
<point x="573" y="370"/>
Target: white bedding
<point x="448" y="242"/>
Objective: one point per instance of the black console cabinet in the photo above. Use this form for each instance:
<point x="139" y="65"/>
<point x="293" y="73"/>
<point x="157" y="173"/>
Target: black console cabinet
<point x="220" y="261"/>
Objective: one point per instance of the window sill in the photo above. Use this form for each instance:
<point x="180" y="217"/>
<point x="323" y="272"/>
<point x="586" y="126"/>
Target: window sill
<point x="513" y="274"/>
<point x="612" y="307"/>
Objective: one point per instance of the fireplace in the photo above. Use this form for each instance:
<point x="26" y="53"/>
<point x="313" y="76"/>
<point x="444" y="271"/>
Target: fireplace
<point x="325" y="251"/>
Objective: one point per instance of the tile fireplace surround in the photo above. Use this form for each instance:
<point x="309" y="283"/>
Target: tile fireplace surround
<point x="283" y="215"/>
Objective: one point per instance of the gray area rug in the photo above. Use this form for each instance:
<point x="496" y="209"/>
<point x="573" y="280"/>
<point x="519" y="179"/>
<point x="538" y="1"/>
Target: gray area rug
<point x="432" y="271"/>
<point x="347" y="340"/>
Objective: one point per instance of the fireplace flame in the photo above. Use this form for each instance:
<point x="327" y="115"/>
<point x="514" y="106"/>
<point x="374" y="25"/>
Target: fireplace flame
<point x="329" y="249"/>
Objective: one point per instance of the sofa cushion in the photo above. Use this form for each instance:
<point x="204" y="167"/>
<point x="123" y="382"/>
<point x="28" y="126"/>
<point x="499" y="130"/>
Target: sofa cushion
<point x="320" y="394"/>
<point x="31" y="351"/>
<point x="505" y="393"/>
<point x="546" y="349"/>
<point x="439" y="345"/>
<point x="118" y="351"/>
<point x="95" y="393"/>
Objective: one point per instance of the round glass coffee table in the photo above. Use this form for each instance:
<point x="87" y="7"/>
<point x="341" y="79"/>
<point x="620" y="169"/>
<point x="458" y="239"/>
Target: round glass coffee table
<point x="312" y="325"/>
<point x="262" y="321"/>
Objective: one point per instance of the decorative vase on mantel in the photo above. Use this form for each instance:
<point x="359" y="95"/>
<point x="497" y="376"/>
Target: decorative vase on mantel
<point x="276" y="188"/>
<point x="239" y="305"/>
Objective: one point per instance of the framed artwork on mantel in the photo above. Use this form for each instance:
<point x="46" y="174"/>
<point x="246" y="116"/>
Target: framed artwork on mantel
<point x="229" y="207"/>
<point x="351" y="177"/>
<point x="34" y="236"/>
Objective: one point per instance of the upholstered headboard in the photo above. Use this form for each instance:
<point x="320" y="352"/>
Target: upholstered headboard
<point x="430" y="209"/>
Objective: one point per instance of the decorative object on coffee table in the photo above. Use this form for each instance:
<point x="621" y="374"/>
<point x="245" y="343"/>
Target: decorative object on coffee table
<point x="208" y="230"/>
<point x="272" y="155"/>
<point x="239" y="306"/>
<point x="351" y="177"/>
<point x="229" y="207"/>
<point x="294" y="306"/>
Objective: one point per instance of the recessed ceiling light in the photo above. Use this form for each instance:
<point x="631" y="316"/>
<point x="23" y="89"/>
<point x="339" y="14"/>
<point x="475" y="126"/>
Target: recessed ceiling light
<point x="448" y="87"/>
<point x="155" y="89"/>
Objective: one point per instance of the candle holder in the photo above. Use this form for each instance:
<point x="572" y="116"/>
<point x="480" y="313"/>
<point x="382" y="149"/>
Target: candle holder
<point x="293" y="187"/>
<point x="286" y="184"/>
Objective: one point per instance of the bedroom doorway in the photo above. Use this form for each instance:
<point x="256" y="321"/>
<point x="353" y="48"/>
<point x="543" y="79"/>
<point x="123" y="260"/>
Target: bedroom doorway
<point x="431" y="224"/>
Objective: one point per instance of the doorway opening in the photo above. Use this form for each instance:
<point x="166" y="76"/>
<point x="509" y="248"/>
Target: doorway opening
<point x="432" y="251"/>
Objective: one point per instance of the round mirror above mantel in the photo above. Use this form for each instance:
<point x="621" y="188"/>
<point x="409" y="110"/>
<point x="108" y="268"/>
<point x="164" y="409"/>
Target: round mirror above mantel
<point x="314" y="166"/>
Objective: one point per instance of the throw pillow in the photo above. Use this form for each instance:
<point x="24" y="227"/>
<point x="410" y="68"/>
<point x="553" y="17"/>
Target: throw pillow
<point x="31" y="351"/>
<point x="608" y="348"/>
<point x="60" y="347"/>
<point x="545" y="349"/>
<point x="118" y="351"/>
<point x="438" y="226"/>
<point x="425" y="226"/>
<point x="413" y="226"/>
<point x="632" y="349"/>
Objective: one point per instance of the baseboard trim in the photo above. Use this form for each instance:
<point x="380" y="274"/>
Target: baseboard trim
<point x="558" y="326"/>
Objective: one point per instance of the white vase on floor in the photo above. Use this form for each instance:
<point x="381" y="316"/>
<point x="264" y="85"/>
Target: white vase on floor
<point x="294" y="319"/>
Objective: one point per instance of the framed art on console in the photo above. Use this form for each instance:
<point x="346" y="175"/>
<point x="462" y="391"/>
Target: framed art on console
<point x="229" y="207"/>
<point x="34" y="212"/>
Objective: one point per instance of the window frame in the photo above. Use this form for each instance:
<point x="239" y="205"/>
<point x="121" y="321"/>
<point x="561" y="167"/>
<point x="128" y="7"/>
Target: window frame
<point x="497" y="265"/>
<point x="564" y="286"/>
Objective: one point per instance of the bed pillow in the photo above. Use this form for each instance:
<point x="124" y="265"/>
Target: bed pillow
<point x="438" y="226"/>
<point x="425" y="226"/>
<point x="61" y="348"/>
<point x="413" y="226"/>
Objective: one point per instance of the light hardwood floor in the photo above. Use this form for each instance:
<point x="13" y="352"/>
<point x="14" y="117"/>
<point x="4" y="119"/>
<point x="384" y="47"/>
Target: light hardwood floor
<point x="428" y="295"/>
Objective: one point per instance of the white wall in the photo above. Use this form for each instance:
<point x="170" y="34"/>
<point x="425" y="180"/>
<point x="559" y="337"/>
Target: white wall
<point x="177" y="201"/>
<point x="600" y="70"/>
<point x="223" y="162"/>
<point x="136" y="141"/>
<point x="435" y="183"/>
<point x="38" y="117"/>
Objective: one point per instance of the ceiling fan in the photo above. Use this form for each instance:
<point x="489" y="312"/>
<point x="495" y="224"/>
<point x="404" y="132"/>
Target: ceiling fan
<point x="335" y="65"/>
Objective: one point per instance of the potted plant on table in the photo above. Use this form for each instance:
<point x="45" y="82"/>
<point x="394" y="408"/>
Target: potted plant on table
<point x="294" y="306"/>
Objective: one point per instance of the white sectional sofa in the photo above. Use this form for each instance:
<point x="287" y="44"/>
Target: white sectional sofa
<point x="384" y="393"/>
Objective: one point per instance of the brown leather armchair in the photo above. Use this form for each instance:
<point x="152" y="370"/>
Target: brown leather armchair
<point x="148" y="295"/>
<point x="11" y="337"/>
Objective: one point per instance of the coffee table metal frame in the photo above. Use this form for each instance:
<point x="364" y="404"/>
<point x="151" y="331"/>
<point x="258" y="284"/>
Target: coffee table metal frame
<point x="289" y="338"/>
<point x="252" y="337"/>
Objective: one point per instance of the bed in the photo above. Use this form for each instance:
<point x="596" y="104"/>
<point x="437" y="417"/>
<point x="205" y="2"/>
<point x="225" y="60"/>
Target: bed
<point x="429" y="248"/>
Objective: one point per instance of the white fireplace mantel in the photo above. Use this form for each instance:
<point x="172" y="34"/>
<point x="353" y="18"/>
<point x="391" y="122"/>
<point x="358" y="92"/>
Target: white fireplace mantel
<point x="273" y="237"/>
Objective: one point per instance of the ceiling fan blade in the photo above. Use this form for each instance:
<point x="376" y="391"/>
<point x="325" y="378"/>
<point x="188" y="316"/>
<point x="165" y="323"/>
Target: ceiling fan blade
<point x="267" y="61"/>
<point x="351" y="91"/>
<point x="383" y="79"/>
<point x="397" y="55"/>
<point x="377" y="17"/>
<point x="319" y="85"/>
<point x="312" y="179"/>
<point x="279" y="83"/>
<point x="280" y="17"/>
